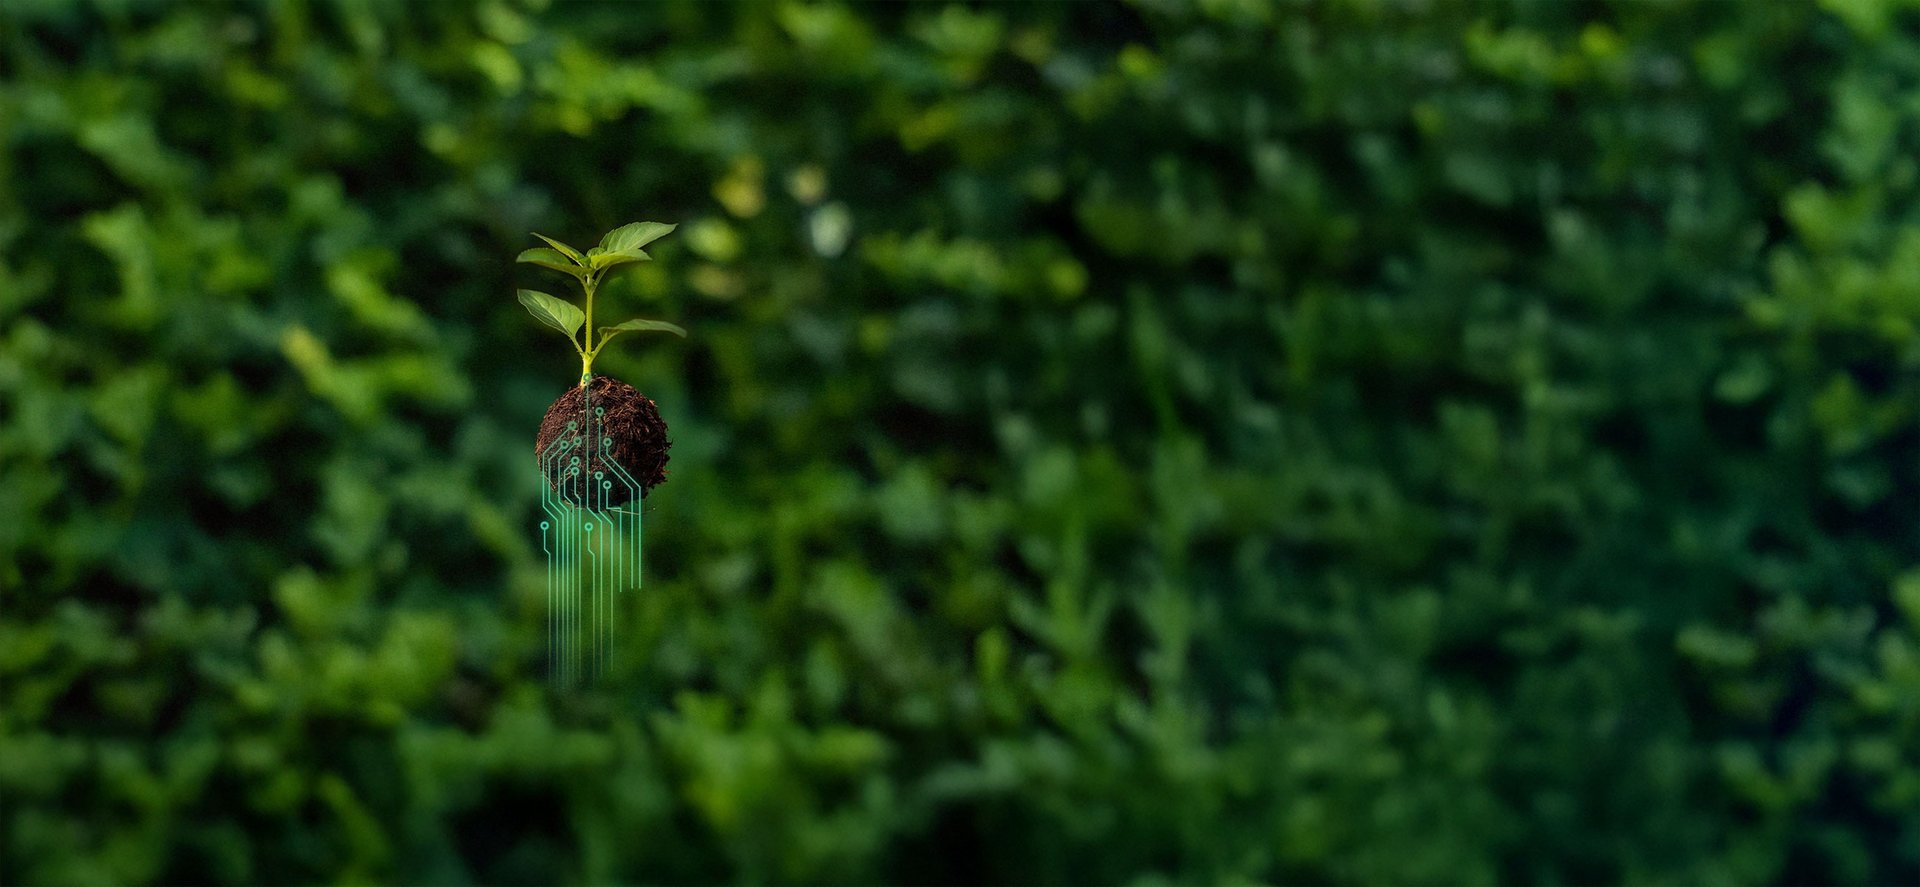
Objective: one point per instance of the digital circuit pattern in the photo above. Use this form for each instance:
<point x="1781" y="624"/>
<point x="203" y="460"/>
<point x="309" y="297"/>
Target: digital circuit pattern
<point x="593" y="546"/>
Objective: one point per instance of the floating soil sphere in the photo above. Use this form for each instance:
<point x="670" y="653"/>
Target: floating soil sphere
<point x="627" y="430"/>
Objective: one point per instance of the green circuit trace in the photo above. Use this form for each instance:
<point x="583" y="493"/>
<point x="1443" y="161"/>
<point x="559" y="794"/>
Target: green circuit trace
<point x="593" y="548"/>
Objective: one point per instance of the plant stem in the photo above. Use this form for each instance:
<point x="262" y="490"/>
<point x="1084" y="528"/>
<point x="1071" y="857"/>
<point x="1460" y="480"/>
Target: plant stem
<point x="587" y="350"/>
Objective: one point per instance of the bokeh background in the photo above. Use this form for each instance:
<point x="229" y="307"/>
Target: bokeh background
<point x="1178" y="441"/>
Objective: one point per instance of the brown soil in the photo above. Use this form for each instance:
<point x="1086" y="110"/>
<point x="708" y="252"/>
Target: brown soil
<point x="630" y="432"/>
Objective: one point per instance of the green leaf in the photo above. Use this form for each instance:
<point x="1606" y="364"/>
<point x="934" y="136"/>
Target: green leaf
<point x="556" y="313"/>
<point x="637" y="325"/>
<point x="615" y="259"/>
<point x="564" y="249"/>
<point x="547" y="258"/>
<point x="634" y="236"/>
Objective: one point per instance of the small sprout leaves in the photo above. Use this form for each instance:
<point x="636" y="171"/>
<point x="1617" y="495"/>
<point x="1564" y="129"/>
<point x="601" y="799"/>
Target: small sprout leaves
<point x="621" y="246"/>
<point x="553" y="312"/>
<point x="634" y="236"/>
<point x="564" y="249"/>
<point x="637" y="325"/>
<point x="615" y="259"/>
<point x="547" y="258"/>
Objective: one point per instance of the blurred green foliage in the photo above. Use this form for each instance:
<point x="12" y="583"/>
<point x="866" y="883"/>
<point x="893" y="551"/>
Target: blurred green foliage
<point x="1193" y="440"/>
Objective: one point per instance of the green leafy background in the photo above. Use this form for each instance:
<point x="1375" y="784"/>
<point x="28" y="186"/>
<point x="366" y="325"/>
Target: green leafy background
<point x="1186" y="440"/>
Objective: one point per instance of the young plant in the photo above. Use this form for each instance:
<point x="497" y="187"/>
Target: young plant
<point x="602" y="443"/>
<point x="620" y="247"/>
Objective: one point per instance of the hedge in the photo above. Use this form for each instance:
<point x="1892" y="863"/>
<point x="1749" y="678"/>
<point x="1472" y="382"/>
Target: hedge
<point x="1200" y="441"/>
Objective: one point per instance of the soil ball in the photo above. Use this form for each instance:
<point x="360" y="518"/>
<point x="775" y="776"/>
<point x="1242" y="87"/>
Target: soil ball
<point x="630" y="433"/>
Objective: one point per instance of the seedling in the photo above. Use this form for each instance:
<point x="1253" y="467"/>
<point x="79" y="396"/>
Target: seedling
<point x="621" y="247"/>
<point x="637" y="438"/>
<point x="601" y="446"/>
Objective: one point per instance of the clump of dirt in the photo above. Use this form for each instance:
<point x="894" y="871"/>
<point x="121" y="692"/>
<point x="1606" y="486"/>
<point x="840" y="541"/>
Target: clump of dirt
<point x="631" y="434"/>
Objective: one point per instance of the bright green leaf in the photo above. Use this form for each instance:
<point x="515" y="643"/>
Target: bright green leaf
<point x="547" y="258"/>
<point x="637" y="325"/>
<point x="556" y="313"/>
<point x="614" y="259"/>
<point x="634" y="236"/>
<point x="564" y="249"/>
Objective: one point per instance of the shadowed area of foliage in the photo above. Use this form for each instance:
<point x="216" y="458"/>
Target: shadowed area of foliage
<point x="1179" y="441"/>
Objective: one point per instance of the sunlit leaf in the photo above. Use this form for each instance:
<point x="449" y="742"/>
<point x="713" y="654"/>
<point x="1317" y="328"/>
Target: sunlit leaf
<point x="615" y="259"/>
<point x="637" y="326"/>
<point x="556" y="313"/>
<point x="547" y="258"/>
<point x="634" y="236"/>
<point x="564" y="249"/>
